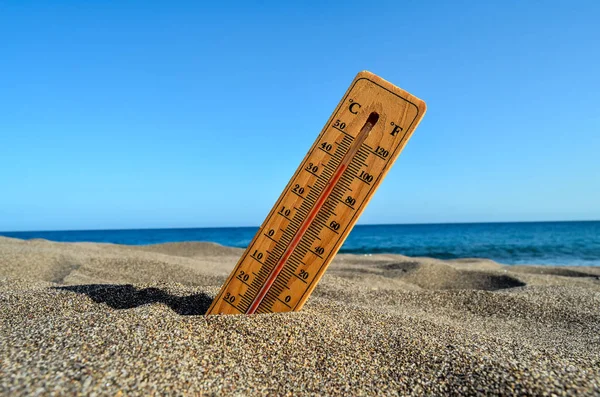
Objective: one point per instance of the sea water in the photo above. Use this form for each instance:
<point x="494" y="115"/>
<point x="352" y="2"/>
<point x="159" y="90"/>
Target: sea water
<point x="550" y="243"/>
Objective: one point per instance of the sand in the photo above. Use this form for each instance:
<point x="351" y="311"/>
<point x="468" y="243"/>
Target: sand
<point x="103" y="319"/>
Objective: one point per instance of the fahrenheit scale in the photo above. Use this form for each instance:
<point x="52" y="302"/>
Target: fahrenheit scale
<point x="323" y="200"/>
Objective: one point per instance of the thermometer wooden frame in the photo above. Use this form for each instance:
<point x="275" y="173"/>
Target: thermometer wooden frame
<point x="323" y="200"/>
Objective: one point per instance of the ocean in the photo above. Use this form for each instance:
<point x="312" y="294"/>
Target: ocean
<point x="544" y="243"/>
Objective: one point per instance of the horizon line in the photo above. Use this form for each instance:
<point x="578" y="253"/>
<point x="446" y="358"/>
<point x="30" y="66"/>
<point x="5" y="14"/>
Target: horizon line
<point x="242" y="227"/>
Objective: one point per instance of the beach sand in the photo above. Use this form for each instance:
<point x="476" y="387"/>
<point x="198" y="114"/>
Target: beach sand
<point x="110" y="319"/>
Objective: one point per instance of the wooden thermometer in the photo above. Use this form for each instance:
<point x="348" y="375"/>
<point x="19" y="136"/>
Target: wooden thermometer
<point x="323" y="200"/>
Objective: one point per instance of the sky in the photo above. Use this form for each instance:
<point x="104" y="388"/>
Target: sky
<point x="146" y="114"/>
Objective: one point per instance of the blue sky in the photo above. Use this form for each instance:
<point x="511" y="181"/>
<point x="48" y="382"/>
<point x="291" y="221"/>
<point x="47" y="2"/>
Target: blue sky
<point x="119" y="114"/>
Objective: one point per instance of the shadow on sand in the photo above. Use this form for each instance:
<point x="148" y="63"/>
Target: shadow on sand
<point x="126" y="296"/>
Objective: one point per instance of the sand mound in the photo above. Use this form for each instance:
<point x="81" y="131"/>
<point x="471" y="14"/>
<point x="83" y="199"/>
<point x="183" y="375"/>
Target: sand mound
<point x="440" y="276"/>
<point x="558" y="271"/>
<point x="106" y="263"/>
<point x="107" y="319"/>
<point x="191" y="249"/>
